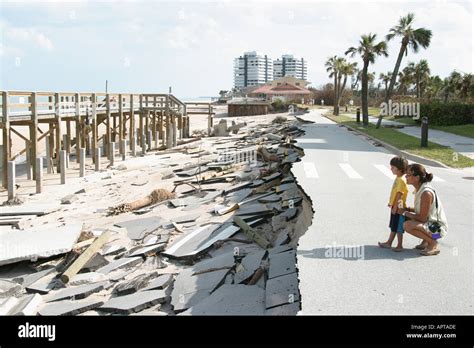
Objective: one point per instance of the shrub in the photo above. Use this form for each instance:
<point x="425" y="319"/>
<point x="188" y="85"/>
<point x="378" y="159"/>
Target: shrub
<point x="447" y="114"/>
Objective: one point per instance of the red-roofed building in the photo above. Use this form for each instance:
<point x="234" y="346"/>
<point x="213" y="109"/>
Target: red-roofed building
<point x="287" y="88"/>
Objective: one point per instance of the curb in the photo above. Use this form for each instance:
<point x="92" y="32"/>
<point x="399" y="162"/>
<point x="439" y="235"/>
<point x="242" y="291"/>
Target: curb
<point x="396" y="151"/>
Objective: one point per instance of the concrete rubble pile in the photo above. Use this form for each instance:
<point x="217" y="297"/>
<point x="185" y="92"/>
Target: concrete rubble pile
<point x="223" y="243"/>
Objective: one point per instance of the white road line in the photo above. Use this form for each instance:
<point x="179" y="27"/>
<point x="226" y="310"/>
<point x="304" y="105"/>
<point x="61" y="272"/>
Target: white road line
<point x="350" y="172"/>
<point x="385" y="170"/>
<point x="310" y="170"/>
<point x="437" y="179"/>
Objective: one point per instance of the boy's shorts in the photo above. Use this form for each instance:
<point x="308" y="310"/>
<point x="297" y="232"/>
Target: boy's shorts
<point x="396" y="223"/>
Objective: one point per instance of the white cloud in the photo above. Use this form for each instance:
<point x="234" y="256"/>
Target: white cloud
<point x="21" y="37"/>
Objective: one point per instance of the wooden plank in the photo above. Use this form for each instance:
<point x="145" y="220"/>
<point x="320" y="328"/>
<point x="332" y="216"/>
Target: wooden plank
<point x="251" y="233"/>
<point x="121" y="120"/>
<point x="85" y="256"/>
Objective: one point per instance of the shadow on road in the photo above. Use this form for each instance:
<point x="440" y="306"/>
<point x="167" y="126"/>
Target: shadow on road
<point x="361" y="252"/>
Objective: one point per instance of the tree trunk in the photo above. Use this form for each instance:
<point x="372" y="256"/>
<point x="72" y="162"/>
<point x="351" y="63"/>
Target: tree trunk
<point x="395" y="70"/>
<point x="365" y="106"/>
<point x="338" y="94"/>
<point x="335" y="93"/>
<point x="341" y="92"/>
<point x="394" y="76"/>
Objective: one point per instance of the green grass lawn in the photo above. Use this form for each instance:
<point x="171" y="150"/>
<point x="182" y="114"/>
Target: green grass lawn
<point x="465" y="130"/>
<point x="409" y="143"/>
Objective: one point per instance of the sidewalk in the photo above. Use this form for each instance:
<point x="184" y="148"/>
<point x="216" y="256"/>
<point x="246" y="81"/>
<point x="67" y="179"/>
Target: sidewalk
<point x="460" y="144"/>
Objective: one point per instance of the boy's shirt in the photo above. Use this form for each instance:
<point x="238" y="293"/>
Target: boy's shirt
<point x="399" y="185"/>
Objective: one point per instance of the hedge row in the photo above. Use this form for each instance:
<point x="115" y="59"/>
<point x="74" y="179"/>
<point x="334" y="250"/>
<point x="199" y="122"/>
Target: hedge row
<point x="447" y="114"/>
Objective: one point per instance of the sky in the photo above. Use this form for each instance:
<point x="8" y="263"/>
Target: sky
<point x="147" y="46"/>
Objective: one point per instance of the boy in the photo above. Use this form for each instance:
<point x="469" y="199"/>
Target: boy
<point x="398" y="197"/>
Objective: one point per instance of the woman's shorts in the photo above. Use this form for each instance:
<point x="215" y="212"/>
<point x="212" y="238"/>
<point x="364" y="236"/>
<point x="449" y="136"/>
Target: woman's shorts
<point x="396" y="223"/>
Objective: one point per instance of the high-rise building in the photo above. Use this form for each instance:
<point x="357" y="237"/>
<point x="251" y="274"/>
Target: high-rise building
<point x="290" y="66"/>
<point x="252" y="69"/>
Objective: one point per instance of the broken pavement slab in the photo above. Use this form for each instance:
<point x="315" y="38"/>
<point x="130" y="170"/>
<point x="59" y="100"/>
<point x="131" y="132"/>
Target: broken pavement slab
<point x="78" y="292"/>
<point x="231" y="300"/>
<point x="124" y="262"/>
<point x="148" y="250"/>
<point x="27" y="305"/>
<point x="282" y="264"/>
<point x="9" y="288"/>
<point x="32" y="244"/>
<point x="249" y="264"/>
<point x="224" y="261"/>
<point x="138" y="228"/>
<point x="282" y="290"/>
<point x="160" y="282"/>
<point x="70" y="307"/>
<point x="133" y="303"/>
<point x="287" y="309"/>
<point x="189" y="289"/>
<point x="135" y="284"/>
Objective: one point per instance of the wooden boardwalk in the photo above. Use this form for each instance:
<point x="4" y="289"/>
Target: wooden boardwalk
<point x="143" y="119"/>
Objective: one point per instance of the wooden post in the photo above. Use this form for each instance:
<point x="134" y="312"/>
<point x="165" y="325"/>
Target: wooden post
<point x="6" y="139"/>
<point x="39" y="174"/>
<point x="160" y="127"/>
<point x="156" y="139"/>
<point x="11" y="180"/>
<point x="114" y="127"/>
<point x="79" y="144"/>
<point x="150" y="139"/>
<point x="82" y="162"/>
<point x="28" y="160"/>
<point x="169" y="139"/>
<point x="123" y="149"/>
<point x="94" y="126"/>
<point x="58" y="128"/>
<point x="67" y="145"/>
<point x="112" y="153"/>
<point x="34" y="132"/>
<point x="209" y="121"/>
<point x="121" y="123"/>
<point x="97" y="159"/>
<point x="65" y="141"/>
<point x="140" y="120"/>
<point x="62" y="161"/>
<point x="51" y="145"/>
<point x="132" y="125"/>
<point x="174" y="130"/>
<point x="107" y="137"/>
<point x="143" y="137"/>
<point x="48" y="155"/>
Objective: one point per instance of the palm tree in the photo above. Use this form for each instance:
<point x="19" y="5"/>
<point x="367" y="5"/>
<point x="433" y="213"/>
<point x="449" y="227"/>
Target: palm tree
<point x="332" y="67"/>
<point x="346" y="69"/>
<point x="385" y="78"/>
<point x="368" y="49"/>
<point x="466" y="86"/>
<point x="405" y="80"/>
<point x="413" y="38"/>
<point x="421" y="74"/>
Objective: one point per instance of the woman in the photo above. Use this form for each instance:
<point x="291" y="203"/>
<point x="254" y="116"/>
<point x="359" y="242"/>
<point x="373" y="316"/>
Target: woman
<point x="427" y="219"/>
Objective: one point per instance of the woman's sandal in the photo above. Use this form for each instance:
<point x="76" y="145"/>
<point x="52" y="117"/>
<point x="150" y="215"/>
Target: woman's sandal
<point x="431" y="252"/>
<point x="385" y="245"/>
<point x="421" y="246"/>
<point x="397" y="249"/>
